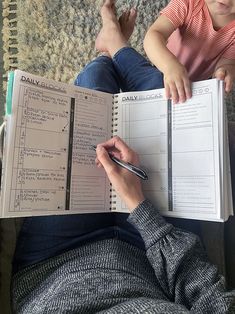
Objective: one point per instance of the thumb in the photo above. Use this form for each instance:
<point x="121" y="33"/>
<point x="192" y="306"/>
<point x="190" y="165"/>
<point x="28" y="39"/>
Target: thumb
<point x="228" y="84"/>
<point x="104" y="158"/>
<point x="220" y="73"/>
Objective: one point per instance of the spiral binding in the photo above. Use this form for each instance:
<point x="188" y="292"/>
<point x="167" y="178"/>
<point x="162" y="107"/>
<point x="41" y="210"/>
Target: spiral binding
<point x="113" y="194"/>
<point x="114" y="116"/>
<point x="113" y="202"/>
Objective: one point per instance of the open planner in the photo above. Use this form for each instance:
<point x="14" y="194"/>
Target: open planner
<point x="49" y="165"/>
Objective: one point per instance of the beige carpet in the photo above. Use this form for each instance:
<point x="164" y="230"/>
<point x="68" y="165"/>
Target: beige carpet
<point x="56" y="38"/>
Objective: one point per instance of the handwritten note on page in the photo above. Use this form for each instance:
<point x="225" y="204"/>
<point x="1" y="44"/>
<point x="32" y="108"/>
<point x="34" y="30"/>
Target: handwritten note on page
<point x="49" y="166"/>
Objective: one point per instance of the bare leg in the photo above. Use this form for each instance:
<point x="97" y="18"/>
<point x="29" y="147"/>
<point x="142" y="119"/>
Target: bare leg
<point x="114" y="34"/>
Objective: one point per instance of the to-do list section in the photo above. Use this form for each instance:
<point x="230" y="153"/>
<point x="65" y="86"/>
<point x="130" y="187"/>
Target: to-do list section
<point x="42" y="137"/>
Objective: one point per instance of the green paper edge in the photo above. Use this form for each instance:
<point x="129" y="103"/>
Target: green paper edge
<point x="10" y="82"/>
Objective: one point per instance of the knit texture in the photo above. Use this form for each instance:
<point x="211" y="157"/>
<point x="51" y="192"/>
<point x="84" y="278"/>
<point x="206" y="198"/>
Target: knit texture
<point x="111" y="276"/>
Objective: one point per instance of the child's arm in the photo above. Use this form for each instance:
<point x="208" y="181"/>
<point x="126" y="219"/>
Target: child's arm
<point x="225" y="70"/>
<point x="176" y="80"/>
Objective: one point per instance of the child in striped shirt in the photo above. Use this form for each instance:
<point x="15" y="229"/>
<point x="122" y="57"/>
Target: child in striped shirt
<point x="193" y="40"/>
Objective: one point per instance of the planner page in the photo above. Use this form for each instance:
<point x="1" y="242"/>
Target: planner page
<point x="48" y="165"/>
<point x="178" y="147"/>
<point x="196" y="163"/>
<point x="90" y="187"/>
<point x="226" y="179"/>
<point x="143" y="124"/>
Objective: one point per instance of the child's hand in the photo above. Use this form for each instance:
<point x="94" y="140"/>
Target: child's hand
<point x="227" y="74"/>
<point x="177" y="83"/>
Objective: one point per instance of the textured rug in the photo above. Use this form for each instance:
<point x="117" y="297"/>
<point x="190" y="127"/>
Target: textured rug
<point x="55" y="38"/>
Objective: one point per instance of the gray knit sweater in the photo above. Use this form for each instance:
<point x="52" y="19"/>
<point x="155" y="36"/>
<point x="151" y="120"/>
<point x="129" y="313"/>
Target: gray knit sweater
<point x="111" y="276"/>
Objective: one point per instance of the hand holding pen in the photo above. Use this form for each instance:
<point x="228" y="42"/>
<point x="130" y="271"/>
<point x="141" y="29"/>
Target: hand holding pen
<point x="127" y="165"/>
<point x="127" y="185"/>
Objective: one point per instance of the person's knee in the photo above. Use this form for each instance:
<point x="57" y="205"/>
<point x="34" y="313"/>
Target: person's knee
<point x="95" y="69"/>
<point x="99" y="75"/>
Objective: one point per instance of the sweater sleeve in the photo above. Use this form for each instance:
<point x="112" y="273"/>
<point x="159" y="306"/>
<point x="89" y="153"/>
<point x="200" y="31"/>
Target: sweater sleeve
<point x="180" y="264"/>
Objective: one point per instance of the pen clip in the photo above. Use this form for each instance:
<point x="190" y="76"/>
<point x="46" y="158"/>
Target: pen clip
<point x="139" y="172"/>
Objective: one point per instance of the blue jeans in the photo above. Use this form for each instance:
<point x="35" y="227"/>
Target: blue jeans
<point x="43" y="237"/>
<point x="128" y="71"/>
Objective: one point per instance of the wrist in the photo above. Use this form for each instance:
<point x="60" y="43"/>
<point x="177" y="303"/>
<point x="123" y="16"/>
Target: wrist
<point x="170" y="64"/>
<point x="134" y="202"/>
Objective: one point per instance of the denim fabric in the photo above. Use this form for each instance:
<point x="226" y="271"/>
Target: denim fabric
<point x="127" y="71"/>
<point x="43" y="237"/>
<point x="101" y="75"/>
<point x="135" y="72"/>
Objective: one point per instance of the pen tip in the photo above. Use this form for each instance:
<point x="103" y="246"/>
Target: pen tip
<point x="93" y="147"/>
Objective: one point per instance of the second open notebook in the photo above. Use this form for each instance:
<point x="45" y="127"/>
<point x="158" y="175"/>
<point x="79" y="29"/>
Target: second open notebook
<point x="49" y="167"/>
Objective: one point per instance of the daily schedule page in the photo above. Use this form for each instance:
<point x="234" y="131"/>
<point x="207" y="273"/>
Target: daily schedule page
<point x="49" y="167"/>
<point x="195" y="153"/>
<point x="144" y="126"/>
<point x="178" y="147"/>
<point x="90" y="187"/>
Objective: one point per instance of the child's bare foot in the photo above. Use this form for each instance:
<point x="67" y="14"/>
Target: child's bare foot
<point x="113" y="36"/>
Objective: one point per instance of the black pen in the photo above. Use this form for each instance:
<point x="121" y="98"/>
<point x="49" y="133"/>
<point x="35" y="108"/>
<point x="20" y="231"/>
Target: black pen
<point x="137" y="171"/>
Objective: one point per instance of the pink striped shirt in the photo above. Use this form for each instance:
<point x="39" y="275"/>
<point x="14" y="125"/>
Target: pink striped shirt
<point x="195" y="42"/>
